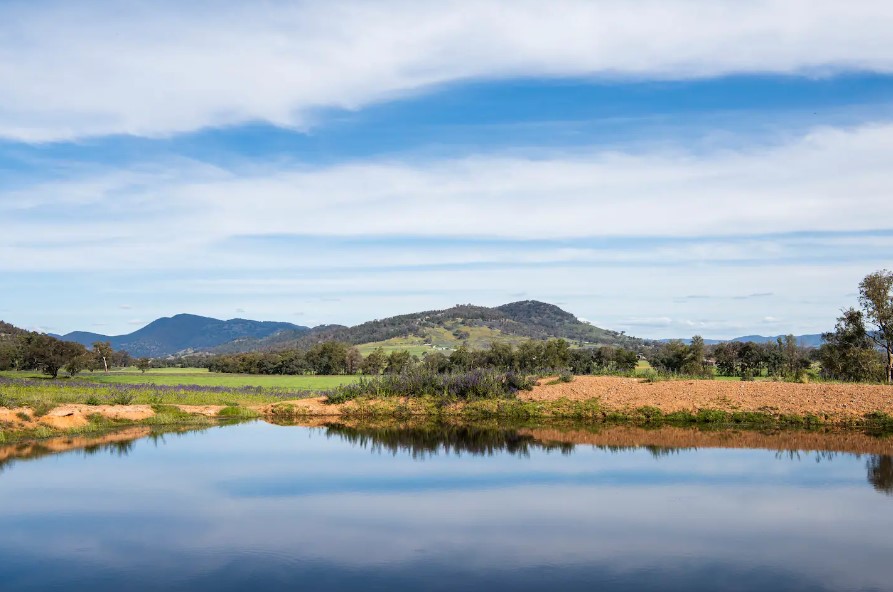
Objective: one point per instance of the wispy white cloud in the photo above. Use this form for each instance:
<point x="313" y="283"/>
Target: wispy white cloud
<point x="617" y="236"/>
<point x="827" y="180"/>
<point x="71" y="70"/>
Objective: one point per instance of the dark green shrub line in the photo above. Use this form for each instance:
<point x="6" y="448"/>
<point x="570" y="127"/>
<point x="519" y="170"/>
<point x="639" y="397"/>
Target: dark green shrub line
<point x="445" y="388"/>
<point x="530" y="357"/>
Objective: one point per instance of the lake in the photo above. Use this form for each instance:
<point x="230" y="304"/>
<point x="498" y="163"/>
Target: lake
<point x="256" y="506"/>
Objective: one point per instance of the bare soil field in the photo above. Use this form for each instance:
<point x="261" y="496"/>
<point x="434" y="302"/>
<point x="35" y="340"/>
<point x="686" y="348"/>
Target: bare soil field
<point x="832" y="401"/>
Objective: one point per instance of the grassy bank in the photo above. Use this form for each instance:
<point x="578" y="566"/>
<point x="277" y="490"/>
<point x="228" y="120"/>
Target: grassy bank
<point x="588" y="411"/>
<point x="469" y="396"/>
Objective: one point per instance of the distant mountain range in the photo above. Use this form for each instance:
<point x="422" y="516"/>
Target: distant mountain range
<point x="185" y="333"/>
<point x="473" y="325"/>
<point x="810" y="340"/>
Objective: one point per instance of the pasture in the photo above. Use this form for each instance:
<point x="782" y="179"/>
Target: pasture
<point x="199" y="377"/>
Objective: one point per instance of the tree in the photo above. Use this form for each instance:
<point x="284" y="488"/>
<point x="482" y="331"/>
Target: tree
<point x="436" y="362"/>
<point x="328" y="357"/>
<point x="354" y="360"/>
<point x="625" y="360"/>
<point x="750" y="359"/>
<point x="143" y="364"/>
<point x="670" y="356"/>
<point x="461" y="358"/>
<point x="556" y="354"/>
<point x="791" y="356"/>
<point x="694" y="363"/>
<point x="103" y="352"/>
<point x="726" y="356"/>
<point x="398" y="361"/>
<point x="876" y="298"/>
<point x="375" y="362"/>
<point x="50" y="355"/>
<point x="529" y="356"/>
<point x="501" y="356"/>
<point x="76" y="364"/>
<point x="848" y="352"/>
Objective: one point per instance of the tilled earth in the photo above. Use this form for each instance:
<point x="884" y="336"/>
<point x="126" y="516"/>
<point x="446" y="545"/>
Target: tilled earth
<point x="821" y="399"/>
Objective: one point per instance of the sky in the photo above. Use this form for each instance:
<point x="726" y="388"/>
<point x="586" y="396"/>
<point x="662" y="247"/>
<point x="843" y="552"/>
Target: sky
<point x="663" y="167"/>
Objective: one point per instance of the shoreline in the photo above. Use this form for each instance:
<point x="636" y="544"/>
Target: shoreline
<point x="587" y="399"/>
<point x="657" y="438"/>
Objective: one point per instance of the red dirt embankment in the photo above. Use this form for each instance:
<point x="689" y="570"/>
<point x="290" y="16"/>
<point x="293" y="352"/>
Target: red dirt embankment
<point x="66" y="417"/>
<point x="820" y="399"/>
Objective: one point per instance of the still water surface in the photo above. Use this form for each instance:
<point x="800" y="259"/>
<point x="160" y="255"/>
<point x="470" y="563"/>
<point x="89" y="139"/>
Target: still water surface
<point x="263" y="507"/>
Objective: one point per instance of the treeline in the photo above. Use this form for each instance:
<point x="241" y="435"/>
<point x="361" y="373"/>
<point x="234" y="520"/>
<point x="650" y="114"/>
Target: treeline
<point x="334" y="357"/>
<point x="28" y="350"/>
<point x="782" y="358"/>
<point x="849" y="353"/>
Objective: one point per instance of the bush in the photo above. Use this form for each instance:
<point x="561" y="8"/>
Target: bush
<point x="418" y="382"/>
<point x="41" y="408"/>
<point x="566" y="376"/>
<point x="123" y="398"/>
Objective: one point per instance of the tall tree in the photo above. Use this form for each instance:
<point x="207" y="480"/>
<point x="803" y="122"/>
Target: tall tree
<point x="694" y="363"/>
<point x="375" y="362"/>
<point x="354" y="360"/>
<point x="791" y="355"/>
<point x="103" y="352"/>
<point x="848" y="353"/>
<point x="876" y="298"/>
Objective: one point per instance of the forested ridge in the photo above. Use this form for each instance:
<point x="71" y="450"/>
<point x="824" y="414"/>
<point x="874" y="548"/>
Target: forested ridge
<point x="524" y="319"/>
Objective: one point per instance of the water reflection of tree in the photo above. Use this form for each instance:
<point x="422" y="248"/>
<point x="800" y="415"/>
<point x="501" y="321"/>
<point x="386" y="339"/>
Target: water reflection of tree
<point x="85" y="445"/>
<point x="880" y="473"/>
<point x="422" y="441"/>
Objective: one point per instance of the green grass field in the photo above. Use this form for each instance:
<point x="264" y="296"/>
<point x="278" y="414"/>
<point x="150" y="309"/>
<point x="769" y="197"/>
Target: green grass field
<point x="199" y="377"/>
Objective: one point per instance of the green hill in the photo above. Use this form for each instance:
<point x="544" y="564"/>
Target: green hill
<point x="475" y="326"/>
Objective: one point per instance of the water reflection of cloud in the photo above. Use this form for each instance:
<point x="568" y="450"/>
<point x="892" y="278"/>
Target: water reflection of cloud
<point x="694" y="512"/>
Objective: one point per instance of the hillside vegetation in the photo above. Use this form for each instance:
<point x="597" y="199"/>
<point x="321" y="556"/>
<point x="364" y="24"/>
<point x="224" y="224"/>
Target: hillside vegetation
<point x="474" y="326"/>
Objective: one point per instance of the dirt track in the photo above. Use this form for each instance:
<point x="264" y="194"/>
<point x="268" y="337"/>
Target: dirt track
<point x="821" y="399"/>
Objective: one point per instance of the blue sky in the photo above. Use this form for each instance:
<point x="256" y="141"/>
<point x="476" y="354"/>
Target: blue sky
<point x="667" y="169"/>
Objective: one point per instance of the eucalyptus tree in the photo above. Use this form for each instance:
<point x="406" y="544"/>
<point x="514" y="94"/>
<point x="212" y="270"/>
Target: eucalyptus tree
<point x="876" y="299"/>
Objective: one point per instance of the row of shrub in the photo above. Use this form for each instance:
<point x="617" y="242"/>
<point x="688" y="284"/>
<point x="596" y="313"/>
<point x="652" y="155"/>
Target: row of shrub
<point x="476" y="384"/>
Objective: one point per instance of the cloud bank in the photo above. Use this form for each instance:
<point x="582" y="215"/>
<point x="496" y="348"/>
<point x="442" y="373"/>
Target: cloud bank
<point x="827" y="181"/>
<point x="75" y="70"/>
